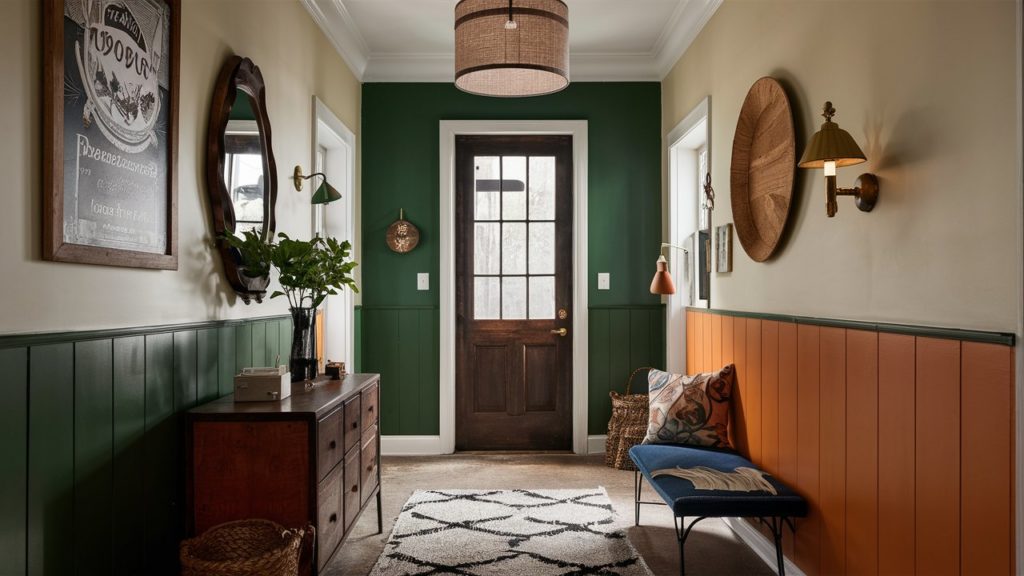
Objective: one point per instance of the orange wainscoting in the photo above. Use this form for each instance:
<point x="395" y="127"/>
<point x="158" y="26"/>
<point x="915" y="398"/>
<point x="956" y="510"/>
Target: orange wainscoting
<point x="903" y="444"/>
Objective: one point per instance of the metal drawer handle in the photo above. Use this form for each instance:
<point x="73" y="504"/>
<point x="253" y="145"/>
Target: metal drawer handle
<point x="355" y="488"/>
<point x="355" y="425"/>
<point x="370" y="409"/>
<point x="333" y="445"/>
<point x="369" y="468"/>
<point x="333" y="518"/>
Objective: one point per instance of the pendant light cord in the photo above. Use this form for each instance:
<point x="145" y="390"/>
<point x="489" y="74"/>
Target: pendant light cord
<point x="510" y="11"/>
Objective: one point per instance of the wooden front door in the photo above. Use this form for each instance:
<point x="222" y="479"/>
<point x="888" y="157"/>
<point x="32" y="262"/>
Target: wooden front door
<point x="514" y="293"/>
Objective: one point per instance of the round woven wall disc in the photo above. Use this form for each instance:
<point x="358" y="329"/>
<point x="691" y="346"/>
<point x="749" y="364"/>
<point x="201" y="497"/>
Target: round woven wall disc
<point x="403" y="236"/>
<point x="763" y="166"/>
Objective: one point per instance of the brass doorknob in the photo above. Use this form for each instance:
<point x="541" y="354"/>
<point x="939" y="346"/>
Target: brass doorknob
<point x="561" y="332"/>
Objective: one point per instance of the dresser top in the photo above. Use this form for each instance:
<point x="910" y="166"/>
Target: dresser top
<point x="323" y="397"/>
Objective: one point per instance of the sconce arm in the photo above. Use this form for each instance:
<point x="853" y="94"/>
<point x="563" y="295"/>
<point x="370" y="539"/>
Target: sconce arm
<point x="667" y="245"/>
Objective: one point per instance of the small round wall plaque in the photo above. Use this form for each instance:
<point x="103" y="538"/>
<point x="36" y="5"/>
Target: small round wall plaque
<point x="402" y="235"/>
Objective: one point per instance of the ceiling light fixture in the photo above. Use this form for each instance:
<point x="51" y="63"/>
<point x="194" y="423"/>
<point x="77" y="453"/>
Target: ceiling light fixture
<point x="511" y="49"/>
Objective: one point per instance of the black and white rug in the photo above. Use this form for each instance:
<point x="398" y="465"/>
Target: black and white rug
<point x="509" y="532"/>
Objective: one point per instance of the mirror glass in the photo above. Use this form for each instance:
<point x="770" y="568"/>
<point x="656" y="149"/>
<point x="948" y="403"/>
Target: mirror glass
<point x="243" y="166"/>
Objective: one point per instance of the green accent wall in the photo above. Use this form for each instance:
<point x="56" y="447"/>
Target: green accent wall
<point x="400" y="155"/>
<point x="91" y="454"/>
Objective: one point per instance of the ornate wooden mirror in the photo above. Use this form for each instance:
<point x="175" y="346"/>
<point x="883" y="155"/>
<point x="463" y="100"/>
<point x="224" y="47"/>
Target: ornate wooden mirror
<point x="241" y="176"/>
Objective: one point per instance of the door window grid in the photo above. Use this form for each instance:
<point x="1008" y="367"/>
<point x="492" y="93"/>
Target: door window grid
<point x="505" y="285"/>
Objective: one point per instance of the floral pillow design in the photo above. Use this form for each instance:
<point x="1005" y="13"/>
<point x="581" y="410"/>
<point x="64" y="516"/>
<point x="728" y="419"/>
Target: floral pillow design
<point x="690" y="410"/>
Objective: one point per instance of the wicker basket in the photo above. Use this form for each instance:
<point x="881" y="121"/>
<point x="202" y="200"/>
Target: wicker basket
<point x="628" y="426"/>
<point x="244" y="548"/>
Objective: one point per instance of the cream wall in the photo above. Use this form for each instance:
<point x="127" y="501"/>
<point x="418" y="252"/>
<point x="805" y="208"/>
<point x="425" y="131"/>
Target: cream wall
<point x="297" y="62"/>
<point x="928" y="89"/>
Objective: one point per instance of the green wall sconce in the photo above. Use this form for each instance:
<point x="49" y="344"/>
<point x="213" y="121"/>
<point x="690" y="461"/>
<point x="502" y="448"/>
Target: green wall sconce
<point x="831" y="148"/>
<point x="324" y="194"/>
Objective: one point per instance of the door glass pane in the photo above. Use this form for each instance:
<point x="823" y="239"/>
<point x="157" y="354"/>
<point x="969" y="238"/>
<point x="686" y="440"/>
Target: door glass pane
<point x="542" y="248"/>
<point x="513" y="187"/>
<point x="542" y="188"/>
<point x="513" y="298"/>
<point x="513" y="248"/>
<point x="542" y="297"/>
<point x="486" y="298"/>
<point x="488" y="194"/>
<point x="487" y="248"/>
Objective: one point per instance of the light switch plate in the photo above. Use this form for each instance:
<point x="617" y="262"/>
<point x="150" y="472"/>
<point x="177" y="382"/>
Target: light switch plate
<point x="604" y="281"/>
<point x="423" y="281"/>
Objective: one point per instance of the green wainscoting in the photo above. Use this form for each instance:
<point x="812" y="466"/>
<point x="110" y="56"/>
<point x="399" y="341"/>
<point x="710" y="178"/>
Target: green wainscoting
<point x="622" y="338"/>
<point x="91" y="453"/>
<point x="401" y="344"/>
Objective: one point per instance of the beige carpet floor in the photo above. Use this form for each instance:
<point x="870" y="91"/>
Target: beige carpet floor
<point x="711" y="548"/>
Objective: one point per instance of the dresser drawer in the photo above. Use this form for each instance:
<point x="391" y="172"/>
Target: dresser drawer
<point x="368" y="461"/>
<point x="329" y="449"/>
<point x="350" y="489"/>
<point x="370" y="397"/>
<point x="351" y="424"/>
<point x="329" y="516"/>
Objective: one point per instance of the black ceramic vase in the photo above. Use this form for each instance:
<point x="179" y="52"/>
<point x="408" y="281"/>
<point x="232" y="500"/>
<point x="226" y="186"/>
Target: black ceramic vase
<point x="303" y="364"/>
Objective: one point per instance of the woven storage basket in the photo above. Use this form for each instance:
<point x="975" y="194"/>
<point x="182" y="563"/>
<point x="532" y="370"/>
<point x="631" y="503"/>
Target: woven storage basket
<point x="244" y="548"/>
<point x="628" y="426"/>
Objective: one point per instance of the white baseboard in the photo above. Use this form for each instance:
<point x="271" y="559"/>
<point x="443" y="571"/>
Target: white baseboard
<point x="762" y="546"/>
<point x="410" y="445"/>
<point x="595" y="444"/>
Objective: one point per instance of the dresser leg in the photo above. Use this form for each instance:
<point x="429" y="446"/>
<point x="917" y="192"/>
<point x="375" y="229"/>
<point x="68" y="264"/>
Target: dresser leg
<point x="380" y="514"/>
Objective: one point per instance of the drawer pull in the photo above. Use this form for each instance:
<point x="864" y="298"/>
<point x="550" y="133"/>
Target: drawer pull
<point x="332" y="445"/>
<point x="333" y="518"/>
<point x="355" y="425"/>
<point x="370" y="409"/>
<point x="355" y="488"/>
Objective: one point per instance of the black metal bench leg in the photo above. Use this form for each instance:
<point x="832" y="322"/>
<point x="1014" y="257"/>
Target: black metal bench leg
<point x="637" y="483"/>
<point x="778" y="548"/>
<point x="681" y="537"/>
<point x="380" y="514"/>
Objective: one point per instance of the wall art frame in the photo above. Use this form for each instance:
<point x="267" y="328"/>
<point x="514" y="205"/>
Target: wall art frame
<point x="723" y="248"/>
<point x="110" y="132"/>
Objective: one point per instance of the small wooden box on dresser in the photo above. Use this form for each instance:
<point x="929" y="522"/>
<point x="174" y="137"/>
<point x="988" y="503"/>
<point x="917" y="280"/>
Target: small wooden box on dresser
<point x="312" y="458"/>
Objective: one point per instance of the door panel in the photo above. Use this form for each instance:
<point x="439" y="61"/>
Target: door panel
<point x="514" y="291"/>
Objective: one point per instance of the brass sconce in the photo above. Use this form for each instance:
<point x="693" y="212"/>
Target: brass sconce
<point x="662" y="282"/>
<point x="324" y="194"/>
<point x="831" y="148"/>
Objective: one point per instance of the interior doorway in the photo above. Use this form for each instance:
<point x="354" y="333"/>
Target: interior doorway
<point x="514" y="275"/>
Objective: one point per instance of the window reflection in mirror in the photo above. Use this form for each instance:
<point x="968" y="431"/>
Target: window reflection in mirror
<point x="243" y="167"/>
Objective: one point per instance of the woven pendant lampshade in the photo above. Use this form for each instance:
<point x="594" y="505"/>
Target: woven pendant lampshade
<point x="511" y="48"/>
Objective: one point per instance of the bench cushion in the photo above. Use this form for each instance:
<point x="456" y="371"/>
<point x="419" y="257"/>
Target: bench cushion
<point x="685" y="500"/>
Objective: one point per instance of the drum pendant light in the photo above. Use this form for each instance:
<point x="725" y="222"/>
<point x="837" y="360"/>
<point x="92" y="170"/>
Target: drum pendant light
<point x="511" y="48"/>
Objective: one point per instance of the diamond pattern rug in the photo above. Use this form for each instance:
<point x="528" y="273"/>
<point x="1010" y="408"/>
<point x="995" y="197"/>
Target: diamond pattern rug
<point x="509" y="532"/>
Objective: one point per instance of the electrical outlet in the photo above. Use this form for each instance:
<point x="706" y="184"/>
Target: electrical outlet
<point x="423" y="281"/>
<point x="604" y="281"/>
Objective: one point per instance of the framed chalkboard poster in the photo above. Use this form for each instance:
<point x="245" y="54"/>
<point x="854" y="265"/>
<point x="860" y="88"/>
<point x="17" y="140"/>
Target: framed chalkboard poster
<point x="110" y="132"/>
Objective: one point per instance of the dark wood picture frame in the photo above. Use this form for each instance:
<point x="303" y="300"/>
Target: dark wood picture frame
<point x="55" y="247"/>
<point x="239" y="74"/>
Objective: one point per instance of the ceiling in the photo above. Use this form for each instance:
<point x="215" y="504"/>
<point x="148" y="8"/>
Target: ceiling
<point x="413" y="40"/>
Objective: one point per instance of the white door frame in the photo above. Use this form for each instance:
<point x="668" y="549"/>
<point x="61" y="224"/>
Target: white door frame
<point x="449" y="129"/>
<point x="330" y="132"/>
<point x="695" y="127"/>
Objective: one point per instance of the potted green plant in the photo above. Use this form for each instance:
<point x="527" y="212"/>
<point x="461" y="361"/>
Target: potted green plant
<point x="308" y="271"/>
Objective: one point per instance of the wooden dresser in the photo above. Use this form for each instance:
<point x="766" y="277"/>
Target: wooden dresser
<point x="313" y="458"/>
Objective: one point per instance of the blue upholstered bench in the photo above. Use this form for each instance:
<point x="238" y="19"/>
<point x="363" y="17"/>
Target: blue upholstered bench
<point x="685" y="500"/>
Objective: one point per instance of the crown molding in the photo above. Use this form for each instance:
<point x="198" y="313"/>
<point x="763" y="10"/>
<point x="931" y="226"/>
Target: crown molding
<point x="340" y="29"/>
<point x="686" y="22"/>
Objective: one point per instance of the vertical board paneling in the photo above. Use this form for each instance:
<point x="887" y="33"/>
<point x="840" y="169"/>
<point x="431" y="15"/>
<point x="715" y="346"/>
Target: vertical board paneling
<point x="618" y="360"/>
<point x="770" y="396"/>
<point x="129" y="514"/>
<point x="690" y="342"/>
<point x="986" y="472"/>
<point x="429" y="373"/>
<point x="896" y="446"/>
<point x="706" y="321"/>
<point x="160" y="450"/>
<point x="13" y="458"/>
<point x="259" y="343"/>
<point x="808" y="537"/>
<point x="284" y="332"/>
<point x="752" y="387"/>
<point x="51" y="460"/>
<point x="640" y="344"/>
<point x="716" y="342"/>
<point x="698" y="345"/>
<point x="739" y="351"/>
<point x="788" y="419"/>
<point x="207" y="377"/>
<point x="272" y="345"/>
<point x="186" y="387"/>
<point x="226" y="363"/>
<point x="728" y="344"/>
<point x="243" y="347"/>
<point x="94" y="420"/>
<point x="832" y="450"/>
<point x="861" y="452"/>
<point x="409" y="370"/>
<point x="937" y="456"/>
<point x="598" y="407"/>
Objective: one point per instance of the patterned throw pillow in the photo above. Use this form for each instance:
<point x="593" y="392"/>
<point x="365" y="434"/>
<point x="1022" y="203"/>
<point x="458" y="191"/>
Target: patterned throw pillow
<point x="690" y="410"/>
